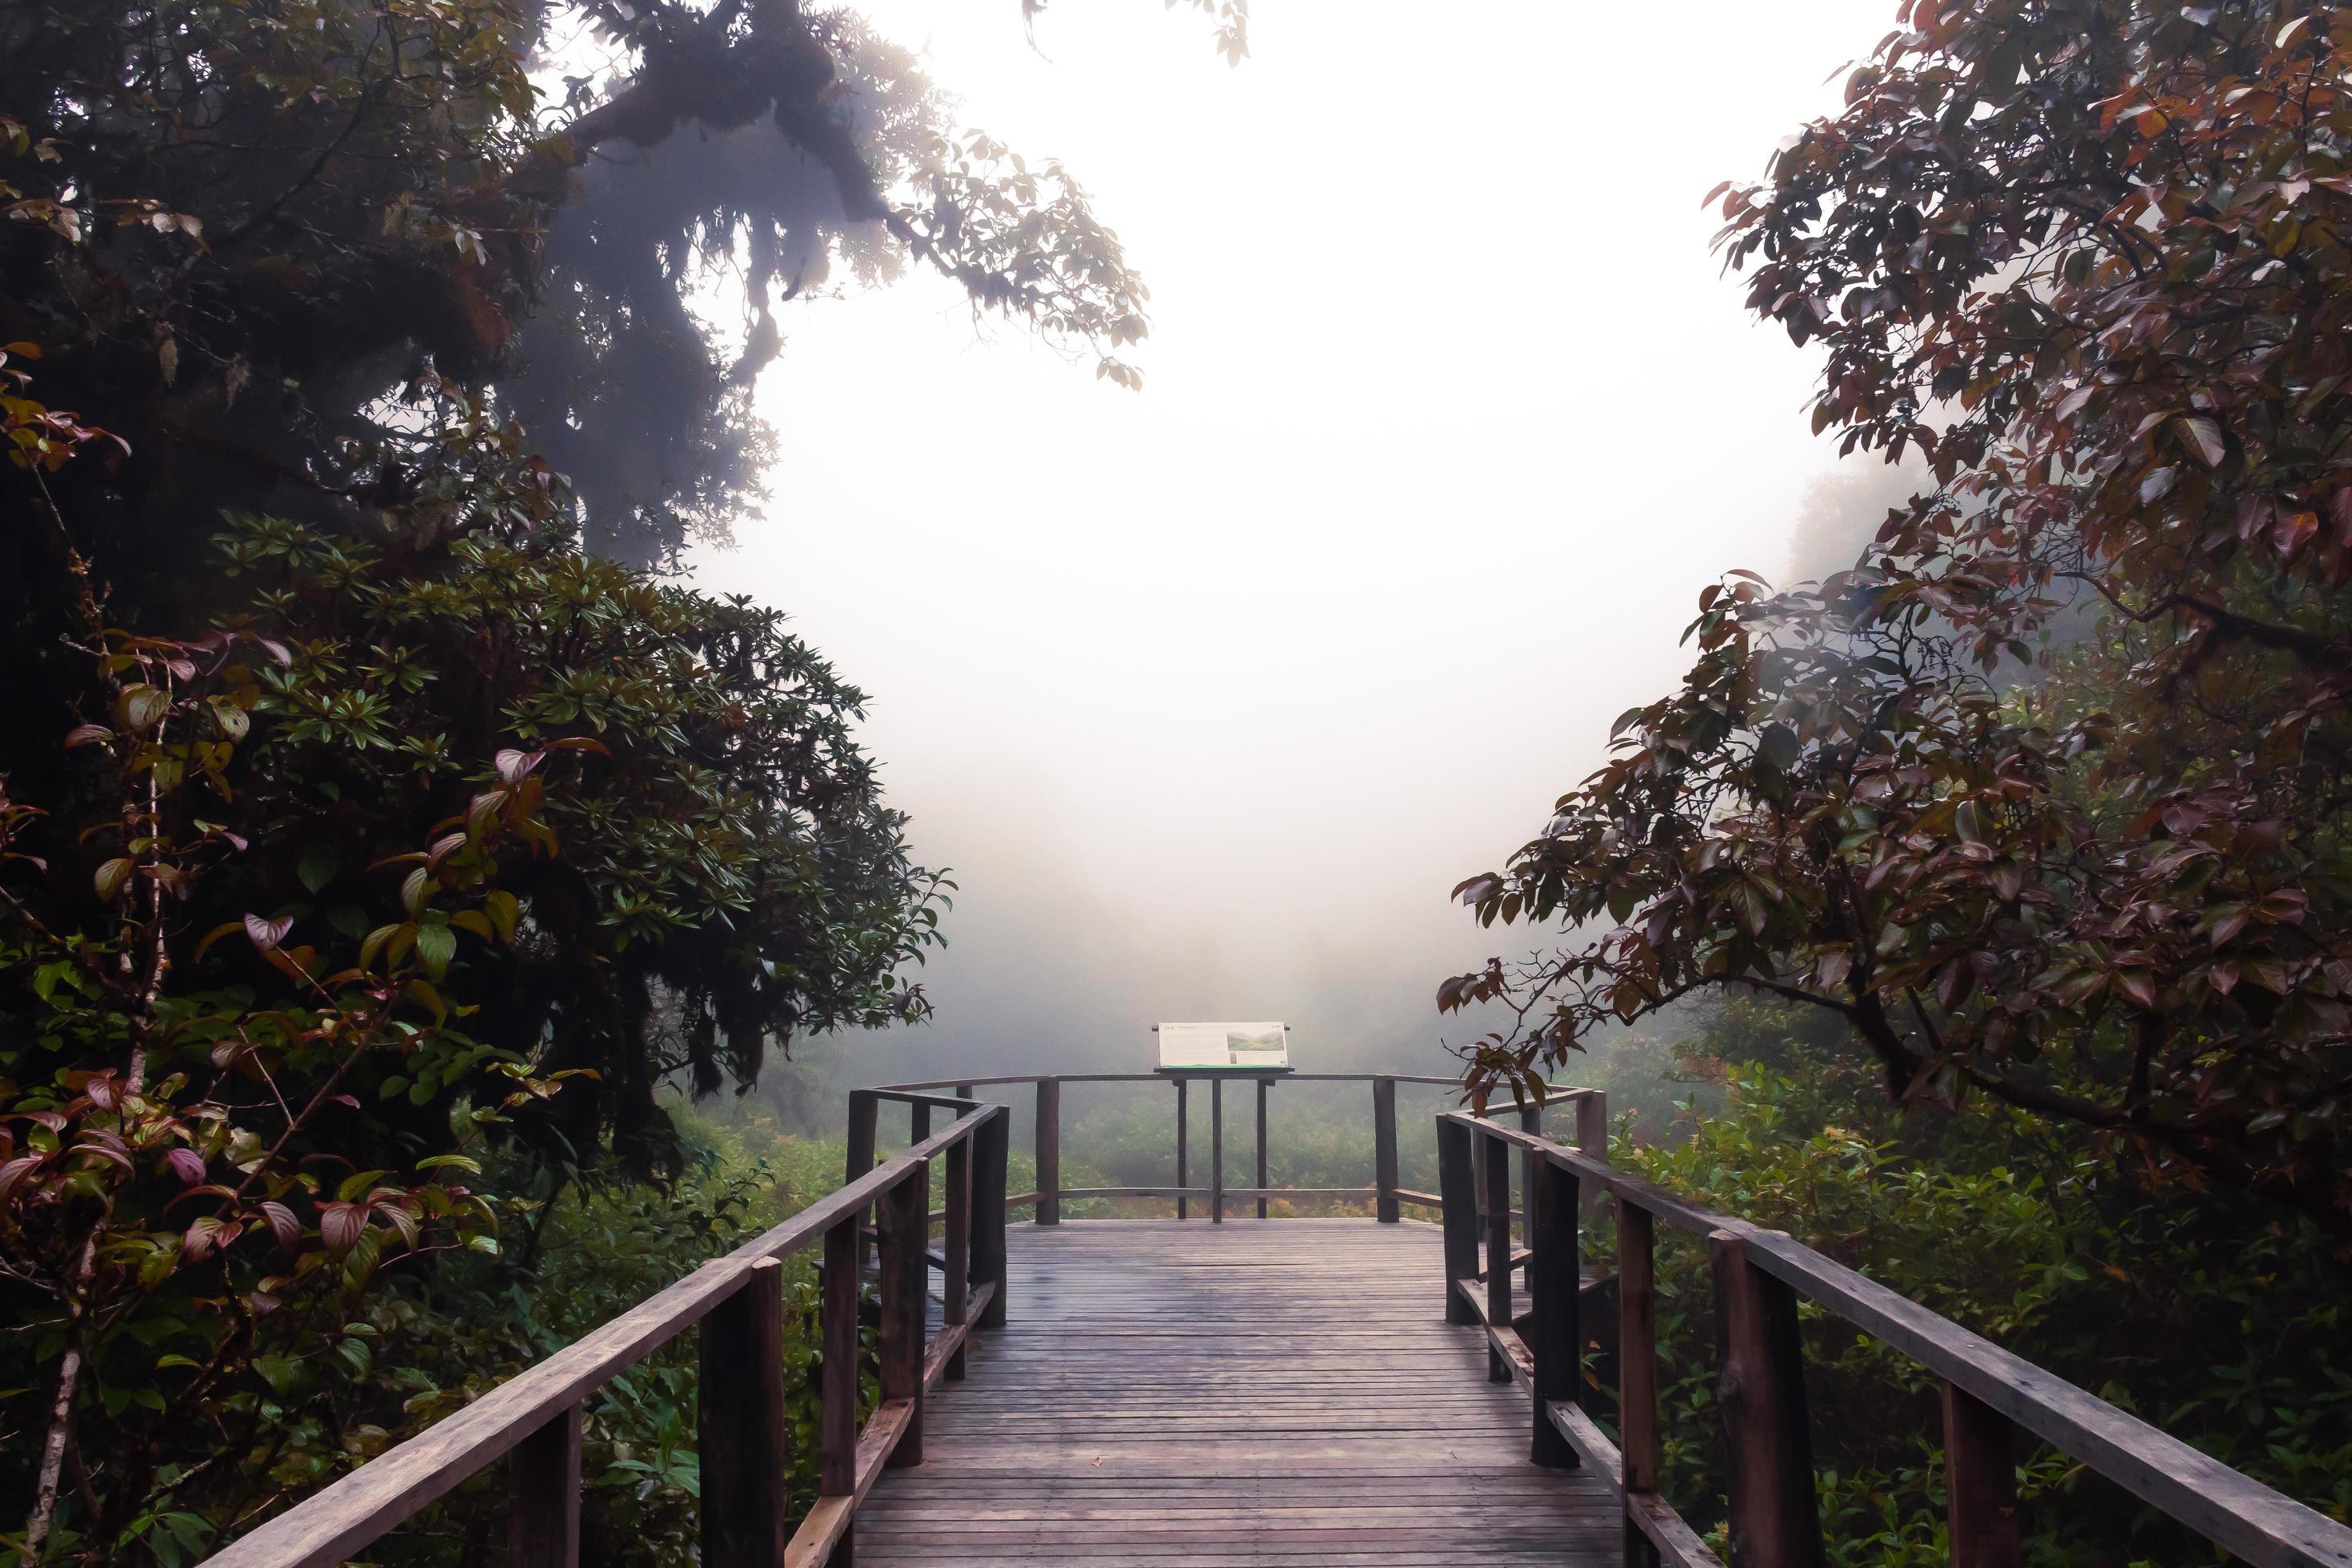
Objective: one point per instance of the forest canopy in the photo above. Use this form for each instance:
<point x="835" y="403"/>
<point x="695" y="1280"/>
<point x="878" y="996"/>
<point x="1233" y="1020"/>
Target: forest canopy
<point x="2043" y="797"/>
<point x="380" y="827"/>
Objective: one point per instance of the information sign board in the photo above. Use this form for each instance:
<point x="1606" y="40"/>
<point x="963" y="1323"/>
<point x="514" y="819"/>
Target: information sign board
<point x="1204" y="1046"/>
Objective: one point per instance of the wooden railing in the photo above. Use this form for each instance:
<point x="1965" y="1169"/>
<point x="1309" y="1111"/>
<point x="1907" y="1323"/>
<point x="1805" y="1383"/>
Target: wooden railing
<point x="1388" y="1198"/>
<point x="737" y="1301"/>
<point x="1760" y="1276"/>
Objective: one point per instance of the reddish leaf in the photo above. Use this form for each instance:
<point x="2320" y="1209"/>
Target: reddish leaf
<point x="340" y="1224"/>
<point x="283" y="1225"/>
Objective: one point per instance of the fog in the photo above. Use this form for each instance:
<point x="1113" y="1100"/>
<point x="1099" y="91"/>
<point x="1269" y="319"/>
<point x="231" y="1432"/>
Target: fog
<point x="1210" y="694"/>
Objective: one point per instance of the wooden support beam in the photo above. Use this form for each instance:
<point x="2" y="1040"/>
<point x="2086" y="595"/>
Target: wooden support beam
<point x="739" y="1417"/>
<point x="1637" y="1367"/>
<point x="905" y="1275"/>
<point x="1384" y="1151"/>
<point x="837" y="1406"/>
<point x="1530" y="1123"/>
<point x="865" y="1110"/>
<point x="1049" y="1151"/>
<point x="990" y="1151"/>
<point x="1556" y="1284"/>
<point x="1760" y="1388"/>
<point x="1980" y="1480"/>
<point x="1592" y="1137"/>
<point x="955" y="1271"/>
<point x="1593" y="1124"/>
<point x="1264" y="1084"/>
<point x="1180" y="1150"/>
<point x="1217" y="1151"/>
<point x="1459" y="1201"/>
<point x="1499" y="1247"/>
<point x="543" y="1520"/>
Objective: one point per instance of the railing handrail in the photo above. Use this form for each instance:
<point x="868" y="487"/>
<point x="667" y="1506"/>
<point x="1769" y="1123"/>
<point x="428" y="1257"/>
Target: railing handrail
<point x="1387" y="1193"/>
<point x="1562" y="1091"/>
<point x="2228" y="1509"/>
<point x="360" y="1508"/>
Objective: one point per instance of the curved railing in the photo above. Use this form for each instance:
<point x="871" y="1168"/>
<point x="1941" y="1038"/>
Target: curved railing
<point x="1388" y="1198"/>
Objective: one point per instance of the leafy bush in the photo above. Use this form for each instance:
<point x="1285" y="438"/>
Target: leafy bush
<point x="545" y="832"/>
<point x="2219" y="1319"/>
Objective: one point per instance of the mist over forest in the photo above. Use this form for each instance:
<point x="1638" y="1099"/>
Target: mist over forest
<point x="587" y="582"/>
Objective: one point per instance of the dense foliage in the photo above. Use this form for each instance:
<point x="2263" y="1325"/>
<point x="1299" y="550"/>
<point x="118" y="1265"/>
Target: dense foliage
<point x="2210" y="1315"/>
<point x="2043" y="798"/>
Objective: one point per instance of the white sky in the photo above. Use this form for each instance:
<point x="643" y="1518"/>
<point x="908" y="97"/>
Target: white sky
<point x="1210" y="694"/>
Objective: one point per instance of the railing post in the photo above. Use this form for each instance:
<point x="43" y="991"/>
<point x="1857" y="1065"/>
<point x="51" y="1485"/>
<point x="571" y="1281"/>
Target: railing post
<point x="990" y="1146"/>
<point x="1760" y="1387"/>
<point x="1592" y="1136"/>
<point x="1385" y="1207"/>
<point x="1049" y="1151"/>
<point x="1458" y="1197"/>
<point x="906" y="1236"/>
<point x="963" y="1091"/>
<point x="955" y="1280"/>
<point x="1554" y="1278"/>
<point x="1180" y="1182"/>
<point x="1531" y="1123"/>
<point x="1980" y="1480"/>
<point x="1593" y="1123"/>
<point x="544" y="1520"/>
<point x="1263" y="1085"/>
<point x="918" y="1121"/>
<point x="1499" y="1250"/>
<point x="1478" y="1177"/>
<point x="837" y="1409"/>
<point x="865" y="1109"/>
<point x="740" y="1414"/>
<point x="1217" y="1151"/>
<point x="1637" y="1365"/>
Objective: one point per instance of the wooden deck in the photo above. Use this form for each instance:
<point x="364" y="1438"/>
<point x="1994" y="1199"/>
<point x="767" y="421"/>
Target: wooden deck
<point x="1277" y="1393"/>
<point x="1284" y="1392"/>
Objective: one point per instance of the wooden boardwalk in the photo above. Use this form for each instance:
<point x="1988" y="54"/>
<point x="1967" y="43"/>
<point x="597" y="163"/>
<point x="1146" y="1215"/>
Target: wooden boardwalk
<point x="1253" y="1393"/>
<point x="1276" y="1392"/>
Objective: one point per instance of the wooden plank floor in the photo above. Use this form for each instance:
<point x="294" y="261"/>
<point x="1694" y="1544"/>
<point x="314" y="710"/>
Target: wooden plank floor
<point x="1284" y="1392"/>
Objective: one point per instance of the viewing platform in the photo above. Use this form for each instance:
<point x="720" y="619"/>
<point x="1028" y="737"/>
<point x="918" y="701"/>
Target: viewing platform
<point x="1231" y="1391"/>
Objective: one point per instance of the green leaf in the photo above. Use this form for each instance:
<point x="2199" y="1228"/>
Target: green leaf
<point x="316" y="869"/>
<point x="503" y="911"/>
<point x="111" y="878"/>
<point x="232" y="721"/>
<point x="280" y="1371"/>
<point x="142" y="707"/>
<point x="436" y="944"/>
